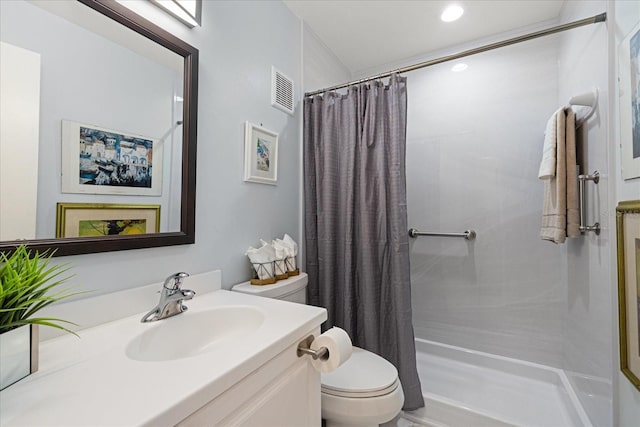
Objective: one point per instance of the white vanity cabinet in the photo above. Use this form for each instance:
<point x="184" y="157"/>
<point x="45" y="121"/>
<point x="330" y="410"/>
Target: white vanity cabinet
<point x="285" y="391"/>
<point x="217" y="368"/>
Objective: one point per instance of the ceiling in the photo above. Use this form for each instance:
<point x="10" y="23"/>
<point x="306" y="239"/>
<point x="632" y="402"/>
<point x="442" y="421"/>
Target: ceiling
<point x="366" y="34"/>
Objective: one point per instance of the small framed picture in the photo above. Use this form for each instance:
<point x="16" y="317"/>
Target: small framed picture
<point x="97" y="160"/>
<point x="260" y="155"/>
<point x="628" y="233"/>
<point x="106" y="219"/>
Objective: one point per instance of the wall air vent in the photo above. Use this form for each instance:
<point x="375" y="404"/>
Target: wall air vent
<point x="281" y="91"/>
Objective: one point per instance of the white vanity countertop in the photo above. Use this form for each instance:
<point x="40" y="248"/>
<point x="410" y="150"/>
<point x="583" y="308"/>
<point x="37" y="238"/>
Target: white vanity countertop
<point x="91" y="381"/>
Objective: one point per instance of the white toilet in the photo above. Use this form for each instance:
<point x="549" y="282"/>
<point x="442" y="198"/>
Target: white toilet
<point x="364" y="391"/>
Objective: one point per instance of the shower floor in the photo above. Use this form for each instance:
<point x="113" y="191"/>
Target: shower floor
<point x="469" y="388"/>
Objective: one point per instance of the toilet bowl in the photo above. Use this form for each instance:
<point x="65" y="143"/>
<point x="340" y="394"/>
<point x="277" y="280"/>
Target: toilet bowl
<point x="364" y="391"/>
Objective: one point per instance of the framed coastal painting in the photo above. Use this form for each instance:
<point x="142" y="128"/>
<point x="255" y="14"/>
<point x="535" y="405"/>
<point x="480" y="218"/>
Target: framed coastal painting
<point x="260" y="155"/>
<point x="628" y="235"/>
<point x="97" y="160"/>
<point x="106" y="219"/>
<point x="629" y="63"/>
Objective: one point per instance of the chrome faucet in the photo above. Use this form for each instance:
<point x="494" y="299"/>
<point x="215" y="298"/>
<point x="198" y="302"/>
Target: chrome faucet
<point x="171" y="297"/>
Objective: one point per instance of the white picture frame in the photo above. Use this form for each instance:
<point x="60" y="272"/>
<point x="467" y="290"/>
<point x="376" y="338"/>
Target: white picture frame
<point x="120" y="163"/>
<point x="260" y="155"/>
<point x="629" y="63"/>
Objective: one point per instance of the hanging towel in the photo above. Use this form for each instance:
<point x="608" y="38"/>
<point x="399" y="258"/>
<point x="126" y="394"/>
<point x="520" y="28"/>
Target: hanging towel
<point x="560" y="216"/>
<point x="548" y="163"/>
<point x="573" y="209"/>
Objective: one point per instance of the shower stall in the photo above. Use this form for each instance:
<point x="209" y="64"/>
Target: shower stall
<point x="510" y="329"/>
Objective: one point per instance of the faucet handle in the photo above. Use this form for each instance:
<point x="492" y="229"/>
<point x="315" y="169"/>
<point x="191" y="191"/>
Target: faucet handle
<point x="174" y="281"/>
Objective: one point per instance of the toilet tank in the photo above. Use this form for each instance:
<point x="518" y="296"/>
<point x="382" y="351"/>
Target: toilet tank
<point x="293" y="289"/>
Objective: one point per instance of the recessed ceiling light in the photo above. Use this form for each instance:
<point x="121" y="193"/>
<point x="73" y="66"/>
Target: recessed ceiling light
<point x="459" y="67"/>
<point x="452" y="13"/>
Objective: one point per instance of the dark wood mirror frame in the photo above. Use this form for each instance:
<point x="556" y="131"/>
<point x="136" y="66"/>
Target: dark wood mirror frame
<point x="186" y="235"/>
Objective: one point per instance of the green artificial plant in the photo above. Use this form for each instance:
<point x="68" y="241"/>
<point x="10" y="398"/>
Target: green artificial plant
<point x="28" y="284"/>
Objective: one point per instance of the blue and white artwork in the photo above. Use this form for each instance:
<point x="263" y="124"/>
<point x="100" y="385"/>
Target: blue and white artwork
<point x="114" y="159"/>
<point x="262" y="155"/>
<point x="629" y="78"/>
<point x="634" y="48"/>
<point x="97" y="160"/>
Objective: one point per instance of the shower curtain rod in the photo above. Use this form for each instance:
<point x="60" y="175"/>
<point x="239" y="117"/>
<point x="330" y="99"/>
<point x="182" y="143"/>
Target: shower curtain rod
<point x="575" y="24"/>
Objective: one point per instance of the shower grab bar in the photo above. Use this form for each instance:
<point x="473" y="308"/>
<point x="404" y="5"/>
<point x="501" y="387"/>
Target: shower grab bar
<point x="582" y="202"/>
<point x="467" y="234"/>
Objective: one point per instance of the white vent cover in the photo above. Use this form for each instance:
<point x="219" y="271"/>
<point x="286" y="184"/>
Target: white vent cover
<point x="281" y="91"/>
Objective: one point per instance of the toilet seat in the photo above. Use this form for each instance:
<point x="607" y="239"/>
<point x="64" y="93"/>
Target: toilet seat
<point x="356" y="394"/>
<point x="354" y="378"/>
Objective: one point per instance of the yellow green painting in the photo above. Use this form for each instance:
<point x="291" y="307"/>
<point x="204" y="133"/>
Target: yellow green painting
<point x="638" y="286"/>
<point x="112" y="227"/>
<point x="638" y="268"/>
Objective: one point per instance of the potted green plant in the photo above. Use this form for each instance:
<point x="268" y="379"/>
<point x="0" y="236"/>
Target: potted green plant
<point x="28" y="283"/>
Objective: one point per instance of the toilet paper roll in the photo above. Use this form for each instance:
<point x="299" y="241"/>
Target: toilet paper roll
<point x="338" y="343"/>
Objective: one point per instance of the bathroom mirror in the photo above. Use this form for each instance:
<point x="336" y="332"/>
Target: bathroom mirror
<point x="110" y="146"/>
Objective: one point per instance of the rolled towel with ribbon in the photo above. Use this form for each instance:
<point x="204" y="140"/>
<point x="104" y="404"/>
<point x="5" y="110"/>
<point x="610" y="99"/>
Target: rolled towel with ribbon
<point x="291" y="251"/>
<point x="280" y="261"/>
<point x="262" y="260"/>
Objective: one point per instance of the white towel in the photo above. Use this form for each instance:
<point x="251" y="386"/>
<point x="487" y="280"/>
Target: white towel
<point x="262" y="260"/>
<point x="549" y="149"/>
<point x="560" y="207"/>
<point x="291" y="250"/>
<point x="281" y="254"/>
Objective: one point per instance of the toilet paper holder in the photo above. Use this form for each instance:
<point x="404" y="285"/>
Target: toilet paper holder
<point x="304" y="348"/>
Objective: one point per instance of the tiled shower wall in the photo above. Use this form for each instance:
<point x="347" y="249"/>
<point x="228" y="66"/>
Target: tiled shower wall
<point x="587" y="333"/>
<point x="474" y="142"/>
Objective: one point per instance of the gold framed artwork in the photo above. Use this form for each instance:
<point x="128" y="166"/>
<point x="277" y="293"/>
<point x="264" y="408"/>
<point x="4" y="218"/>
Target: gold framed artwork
<point x="106" y="219"/>
<point x="628" y="233"/>
<point x="260" y="155"/>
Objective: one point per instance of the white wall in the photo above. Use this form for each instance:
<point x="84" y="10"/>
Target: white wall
<point x="623" y="17"/>
<point x="587" y="263"/>
<point x="321" y="67"/>
<point x="19" y="109"/>
<point x="238" y="43"/>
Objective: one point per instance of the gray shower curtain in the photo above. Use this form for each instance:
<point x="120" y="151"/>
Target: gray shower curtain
<point x="357" y="247"/>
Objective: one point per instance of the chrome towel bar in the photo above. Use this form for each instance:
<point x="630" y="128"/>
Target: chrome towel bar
<point x="467" y="234"/>
<point x="582" y="179"/>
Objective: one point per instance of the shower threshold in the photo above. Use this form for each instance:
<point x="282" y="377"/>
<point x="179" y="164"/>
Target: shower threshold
<point x="463" y="387"/>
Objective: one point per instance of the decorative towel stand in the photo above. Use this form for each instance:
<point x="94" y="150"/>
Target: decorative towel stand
<point x="582" y="179"/>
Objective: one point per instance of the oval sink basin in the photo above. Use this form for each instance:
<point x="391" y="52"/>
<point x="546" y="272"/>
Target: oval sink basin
<point x="191" y="333"/>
